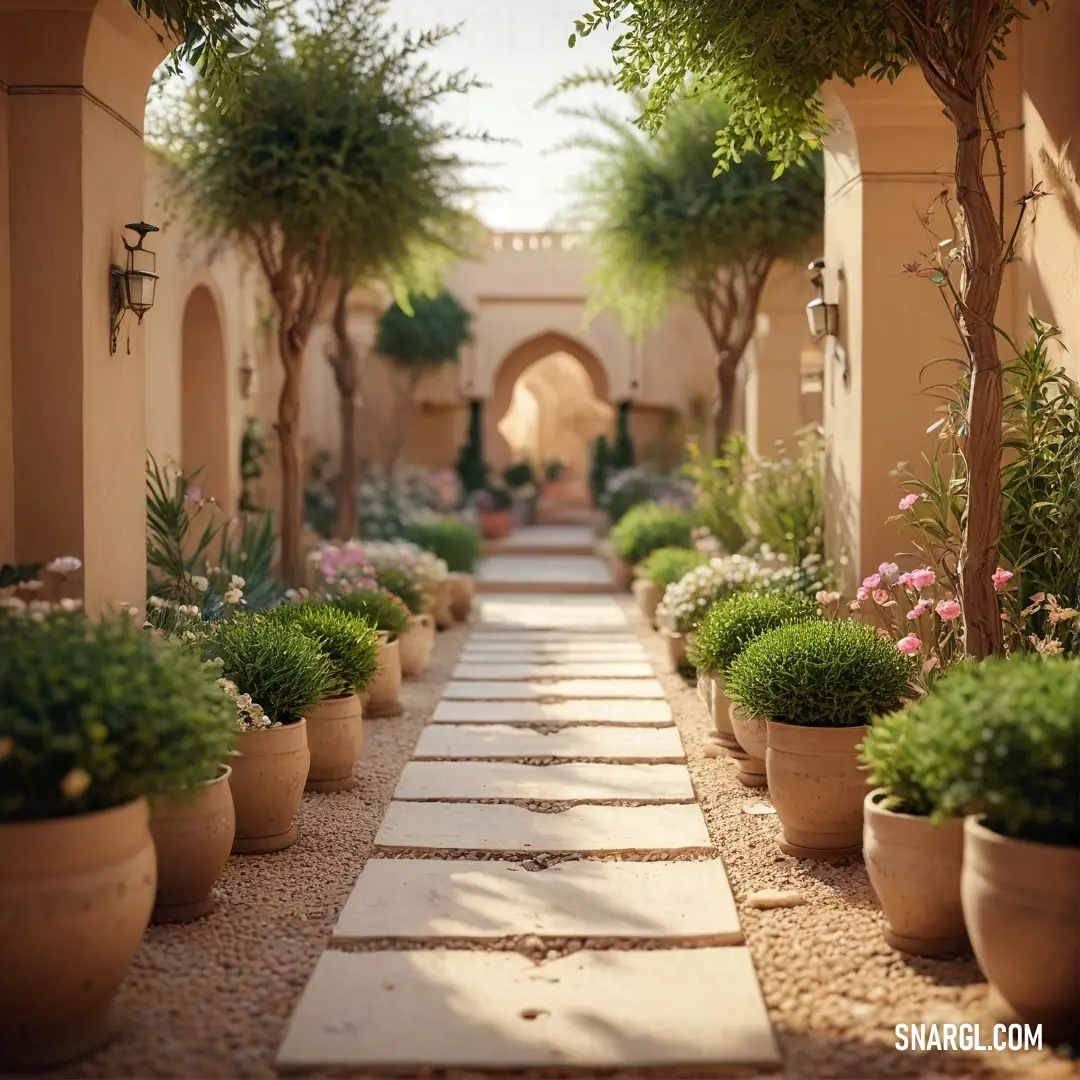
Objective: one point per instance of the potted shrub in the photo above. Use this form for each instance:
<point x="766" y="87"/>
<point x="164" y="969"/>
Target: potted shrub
<point x="817" y="684"/>
<point x="1006" y="753"/>
<point x="95" y="717"/>
<point x="521" y="480"/>
<point x="417" y="637"/>
<point x="913" y="860"/>
<point x="663" y="567"/>
<point x="643" y="530"/>
<point x="388" y="615"/>
<point x="335" y="725"/>
<point x="457" y="544"/>
<point x="280" y="669"/>
<point x="494" y="511"/>
<point x="722" y="635"/>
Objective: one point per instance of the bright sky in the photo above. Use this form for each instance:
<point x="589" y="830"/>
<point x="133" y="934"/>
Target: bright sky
<point x="519" y="48"/>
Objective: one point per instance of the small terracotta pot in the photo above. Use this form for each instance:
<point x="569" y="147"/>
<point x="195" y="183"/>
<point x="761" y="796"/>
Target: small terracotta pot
<point x="704" y="688"/>
<point x="676" y="650"/>
<point x="76" y="895"/>
<point x="622" y="572"/>
<point x="335" y="732"/>
<point x="193" y="837"/>
<point x="817" y="788"/>
<point x="721" y="715"/>
<point x="462" y="587"/>
<point x="384" y="693"/>
<point x="915" y="870"/>
<point x="270" y="768"/>
<point x="415" y="643"/>
<point x="648" y="596"/>
<point x="750" y="735"/>
<point x="442" y="600"/>
<point x="1020" y="901"/>
<point x="495" y="524"/>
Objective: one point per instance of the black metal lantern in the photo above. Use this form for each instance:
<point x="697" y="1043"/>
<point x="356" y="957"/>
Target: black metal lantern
<point x="823" y="318"/>
<point x="133" y="286"/>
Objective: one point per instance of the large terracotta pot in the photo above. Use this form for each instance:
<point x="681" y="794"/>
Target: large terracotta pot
<point x="622" y="572"/>
<point x="817" y="788"/>
<point x="384" y="693"/>
<point x="415" y="643"/>
<point x="495" y="524"/>
<point x="75" y="898"/>
<point x="335" y="733"/>
<point x="721" y="715"/>
<point x="705" y="688"/>
<point x="1021" y="901"/>
<point x="270" y="768"/>
<point x="462" y="587"/>
<point x="751" y="738"/>
<point x="915" y="870"/>
<point x="648" y="596"/>
<point x="676" y="650"/>
<point x="442" y="600"/>
<point x="193" y="837"/>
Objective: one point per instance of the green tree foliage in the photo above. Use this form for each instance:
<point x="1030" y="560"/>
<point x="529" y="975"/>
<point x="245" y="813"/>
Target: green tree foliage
<point x="770" y="58"/>
<point x="471" y="468"/>
<point x="664" y="225"/>
<point x="326" y="163"/>
<point x="622" y="451"/>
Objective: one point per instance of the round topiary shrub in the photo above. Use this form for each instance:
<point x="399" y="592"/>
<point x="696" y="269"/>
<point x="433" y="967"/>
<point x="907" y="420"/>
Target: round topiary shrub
<point x="380" y="608"/>
<point x="650" y="526"/>
<point x="666" y="565"/>
<point x="350" y="642"/>
<point x="95" y="713"/>
<point x="730" y="625"/>
<point x="1000" y="738"/>
<point x="820" y="673"/>
<point x="455" y="542"/>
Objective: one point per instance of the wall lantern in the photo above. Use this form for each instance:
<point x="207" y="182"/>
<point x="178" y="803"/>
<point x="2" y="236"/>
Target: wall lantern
<point x="133" y="286"/>
<point x="247" y="375"/>
<point x="823" y="318"/>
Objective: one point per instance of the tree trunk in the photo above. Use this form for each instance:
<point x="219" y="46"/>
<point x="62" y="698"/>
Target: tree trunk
<point x="292" y="478"/>
<point x="345" y="364"/>
<point x="727" y="369"/>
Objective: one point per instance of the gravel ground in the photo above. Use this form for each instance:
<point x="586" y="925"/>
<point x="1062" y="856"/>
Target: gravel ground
<point x="833" y="987"/>
<point x="210" y="998"/>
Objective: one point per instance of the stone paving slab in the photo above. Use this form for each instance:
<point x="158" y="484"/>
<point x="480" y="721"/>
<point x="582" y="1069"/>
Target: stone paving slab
<point x="502" y="741"/>
<point x="544" y="570"/>
<point x="580" y="781"/>
<point x="426" y="899"/>
<point x="552" y="537"/>
<point x="562" y="648"/>
<point x="444" y="1009"/>
<point x="591" y="830"/>
<point x="596" y="669"/>
<point x="589" y="711"/>
<point x="567" y="689"/>
<point x="497" y="614"/>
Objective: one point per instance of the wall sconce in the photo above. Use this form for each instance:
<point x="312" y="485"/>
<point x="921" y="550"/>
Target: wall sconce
<point x="823" y="318"/>
<point x="133" y="286"/>
<point x="247" y="375"/>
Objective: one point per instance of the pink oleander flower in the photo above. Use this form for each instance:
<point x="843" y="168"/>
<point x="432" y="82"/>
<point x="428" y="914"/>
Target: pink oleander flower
<point x="905" y="580"/>
<point x="888" y="569"/>
<point x="193" y="493"/>
<point x="907" y="502"/>
<point x="871" y="582"/>
<point x="882" y="632"/>
<point x="881" y="596"/>
<point x="863" y="593"/>
<point x="948" y="610"/>
<point x="923" y="577"/>
<point x="919" y="610"/>
<point x="909" y="645"/>
<point x="1001" y="578"/>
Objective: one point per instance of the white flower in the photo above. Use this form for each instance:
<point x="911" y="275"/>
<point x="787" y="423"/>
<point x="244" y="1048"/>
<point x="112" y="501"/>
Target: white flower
<point x="190" y="610"/>
<point x="200" y="584"/>
<point x="75" y="783"/>
<point x="233" y="596"/>
<point x="156" y="602"/>
<point x="32" y="586"/>
<point x="189" y="635"/>
<point x="236" y="582"/>
<point x="66" y="564"/>
<point x="13" y="603"/>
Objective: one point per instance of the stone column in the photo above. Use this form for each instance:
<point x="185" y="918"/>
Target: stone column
<point x="76" y="74"/>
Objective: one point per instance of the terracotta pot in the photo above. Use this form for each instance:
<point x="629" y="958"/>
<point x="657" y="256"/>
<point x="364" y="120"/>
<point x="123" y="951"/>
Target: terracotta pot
<point x="676" y="650"/>
<point x="462" y="587"/>
<point x="915" y="870"/>
<point x="384" y="693"/>
<point x="75" y="897"/>
<point x="442" y="604"/>
<point x="270" y="769"/>
<point x="415" y="643"/>
<point x="193" y="837"/>
<point x="1020" y="901"/>
<point x="495" y="524"/>
<point x="751" y="737"/>
<point x="721" y="715"/>
<point x="335" y="733"/>
<point x="648" y="596"/>
<point x="817" y="788"/>
<point x="622" y="572"/>
<point x="704" y="688"/>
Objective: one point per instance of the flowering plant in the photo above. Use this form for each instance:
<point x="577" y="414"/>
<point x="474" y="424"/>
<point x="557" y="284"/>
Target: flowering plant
<point x="685" y="602"/>
<point x="28" y="593"/>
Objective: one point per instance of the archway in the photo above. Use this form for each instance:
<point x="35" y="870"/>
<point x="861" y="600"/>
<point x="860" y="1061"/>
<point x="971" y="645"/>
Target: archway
<point x="204" y="405"/>
<point x="550" y="399"/>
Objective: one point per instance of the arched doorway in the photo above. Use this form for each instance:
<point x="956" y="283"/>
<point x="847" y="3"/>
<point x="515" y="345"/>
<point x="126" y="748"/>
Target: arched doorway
<point x="550" y="399"/>
<point x="204" y="405"/>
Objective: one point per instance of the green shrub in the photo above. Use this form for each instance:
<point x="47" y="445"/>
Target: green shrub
<point x="494" y="497"/>
<point x="350" y="642"/>
<point x="820" y="673"/>
<point x="1000" y="738"/>
<point x="599" y="465"/>
<point x="649" y="526"/>
<point x="380" y="608"/>
<point x="95" y="713"/>
<point x="732" y="624"/>
<point x="666" y="565"/>
<point x="519" y="475"/>
<point x="553" y="470"/>
<point x="280" y="666"/>
<point x="398" y="580"/>
<point x="455" y="542"/>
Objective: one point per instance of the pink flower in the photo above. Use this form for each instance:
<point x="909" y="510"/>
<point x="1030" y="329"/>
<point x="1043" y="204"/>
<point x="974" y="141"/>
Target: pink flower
<point x="1001" y="578"/>
<point x="948" y="610"/>
<point x="193" y="493"/>
<point x="909" y="645"/>
<point x="887" y="569"/>
<point x="872" y="582"/>
<point x="1038" y="598"/>
<point x="919" y="610"/>
<point x="881" y="596"/>
<point x="905" y="580"/>
<point x="907" y="502"/>
<point x="882" y="632"/>
<point x="863" y="593"/>
<point x="922" y="578"/>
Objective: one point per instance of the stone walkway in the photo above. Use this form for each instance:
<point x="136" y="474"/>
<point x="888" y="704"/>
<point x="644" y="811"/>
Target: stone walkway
<point x="544" y="893"/>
